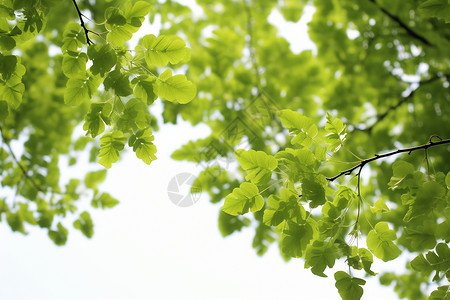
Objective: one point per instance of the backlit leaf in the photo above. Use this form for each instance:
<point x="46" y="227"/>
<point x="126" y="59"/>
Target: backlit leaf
<point x="379" y="242"/>
<point x="349" y="287"/>
<point x="163" y="49"/>
<point x="110" y="145"/>
<point x="174" y="88"/>
<point x="242" y="199"/>
<point x="258" y="164"/>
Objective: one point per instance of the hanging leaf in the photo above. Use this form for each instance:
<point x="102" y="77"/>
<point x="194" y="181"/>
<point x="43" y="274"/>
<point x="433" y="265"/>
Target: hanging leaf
<point x="244" y="198"/>
<point x="349" y="287"/>
<point x="110" y="145"/>
<point x="164" y="49"/>
<point x="142" y="143"/>
<point x="258" y="164"/>
<point x="379" y="242"/>
<point x="174" y="88"/>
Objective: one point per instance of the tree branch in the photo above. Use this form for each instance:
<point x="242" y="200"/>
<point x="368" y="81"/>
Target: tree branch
<point x="379" y="156"/>
<point x="86" y="31"/>
<point x="382" y="116"/>
<point x="250" y="44"/>
<point x="403" y="25"/>
<point x="21" y="167"/>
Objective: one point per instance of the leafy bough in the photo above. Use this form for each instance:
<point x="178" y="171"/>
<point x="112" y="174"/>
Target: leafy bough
<point x="320" y="238"/>
<point x="123" y="75"/>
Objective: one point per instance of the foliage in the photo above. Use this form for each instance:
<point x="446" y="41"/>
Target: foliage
<point x="297" y="123"/>
<point x="45" y="93"/>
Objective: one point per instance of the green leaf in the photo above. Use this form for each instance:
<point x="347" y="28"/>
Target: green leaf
<point x="242" y="199"/>
<point x="3" y="110"/>
<point x="436" y="8"/>
<point x="420" y="264"/>
<point x="103" y="58"/>
<point x="359" y="258"/>
<point x="12" y="88"/>
<point x="297" y="164"/>
<point x="379" y="242"/>
<point x="285" y="207"/>
<point x="15" y="221"/>
<point x="379" y="207"/>
<point x="93" y="122"/>
<point x="73" y="37"/>
<point x="163" y="49"/>
<point x="313" y="190"/>
<point x="175" y="88"/>
<point x="110" y="145"/>
<point x="74" y="64"/>
<point x="45" y="219"/>
<point x="349" y="287"/>
<point x="229" y="224"/>
<point x="429" y="196"/>
<point x="441" y="293"/>
<point x="258" y="164"/>
<point x="144" y="89"/>
<point x="115" y="17"/>
<point x="302" y="127"/>
<point x="318" y="256"/>
<point x="8" y="64"/>
<point x="402" y="171"/>
<point x="93" y="179"/>
<point x="119" y="31"/>
<point x="7" y="43"/>
<point x="53" y="173"/>
<point x="142" y="143"/>
<point x="105" y="200"/>
<point x="118" y="82"/>
<point x="80" y="89"/>
<point x="419" y="235"/>
<point x="84" y="224"/>
<point x="59" y="236"/>
<point x="337" y="133"/>
<point x="296" y="237"/>
<point x="134" y="116"/>
<point x="139" y="10"/>
<point x="366" y="260"/>
<point x="440" y="260"/>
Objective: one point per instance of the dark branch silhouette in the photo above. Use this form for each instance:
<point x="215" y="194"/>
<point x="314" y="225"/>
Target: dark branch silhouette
<point x="86" y="31"/>
<point x="403" y="25"/>
<point x="379" y="156"/>
<point x="382" y="116"/>
<point x="21" y="167"/>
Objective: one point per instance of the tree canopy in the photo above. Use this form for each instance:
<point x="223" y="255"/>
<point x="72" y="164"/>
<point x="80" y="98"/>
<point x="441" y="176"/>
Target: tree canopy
<point x="342" y="152"/>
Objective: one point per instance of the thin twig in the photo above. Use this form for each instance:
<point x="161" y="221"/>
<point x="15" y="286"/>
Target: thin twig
<point x="403" y="25"/>
<point x="86" y="31"/>
<point x="379" y="156"/>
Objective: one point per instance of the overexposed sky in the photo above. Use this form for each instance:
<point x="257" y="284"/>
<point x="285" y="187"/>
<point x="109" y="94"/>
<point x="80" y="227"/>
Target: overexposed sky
<point x="148" y="248"/>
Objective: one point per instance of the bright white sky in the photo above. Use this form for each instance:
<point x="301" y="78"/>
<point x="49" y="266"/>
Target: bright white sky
<point x="148" y="248"/>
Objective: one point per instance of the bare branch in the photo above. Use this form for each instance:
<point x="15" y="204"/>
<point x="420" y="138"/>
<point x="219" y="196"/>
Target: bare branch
<point x="403" y="25"/>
